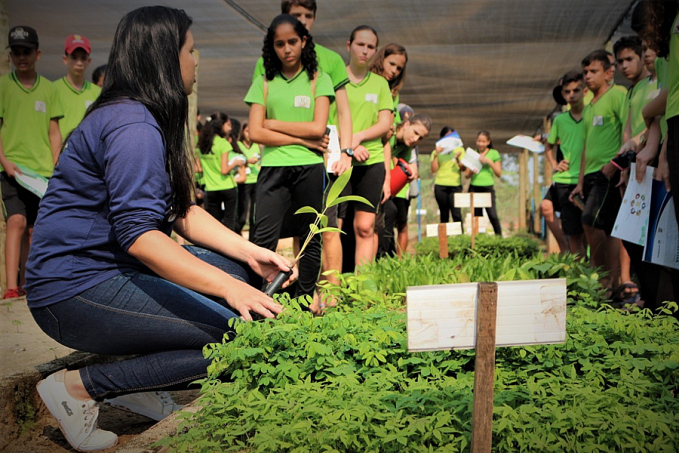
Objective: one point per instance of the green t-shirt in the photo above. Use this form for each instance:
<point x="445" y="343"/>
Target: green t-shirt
<point x="637" y="97"/>
<point x="448" y="173"/>
<point x="74" y="102"/>
<point x="485" y="176"/>
<point x="250" y="152"/>
<point x="603" y="129"/>
<point x="672" y="80"/>
<point x="662" y="67"/>
<point x="292" y="101"/>
<point x="212" y="166"/>
<point x="570" y="134"/>
<point x="329" y="62"/>
<point x="26" y="115"/>
<point x="366" y="100"/>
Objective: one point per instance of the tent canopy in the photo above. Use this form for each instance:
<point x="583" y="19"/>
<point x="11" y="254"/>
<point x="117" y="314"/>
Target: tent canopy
<point x="473" y="64"/>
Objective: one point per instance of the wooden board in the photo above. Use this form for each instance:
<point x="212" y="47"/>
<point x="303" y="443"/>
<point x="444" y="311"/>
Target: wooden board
<point x="481" y="200"/>
<point x="443" y="317"/>
<point x="452" y="229"/>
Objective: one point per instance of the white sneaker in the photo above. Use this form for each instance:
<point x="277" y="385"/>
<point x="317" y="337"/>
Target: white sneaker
<point x="154" y="405"/>
<point x="77" y="418"/>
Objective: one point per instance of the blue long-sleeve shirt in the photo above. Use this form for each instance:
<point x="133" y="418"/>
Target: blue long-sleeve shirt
<point x="110" y="187"/>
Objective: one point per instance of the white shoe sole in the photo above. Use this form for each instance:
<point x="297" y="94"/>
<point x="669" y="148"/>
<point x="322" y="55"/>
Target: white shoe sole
<point x="53" y="406"/>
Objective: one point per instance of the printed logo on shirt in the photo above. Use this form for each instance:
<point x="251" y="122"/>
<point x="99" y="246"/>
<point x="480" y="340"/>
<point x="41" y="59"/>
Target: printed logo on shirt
<point x="369" y="97"/>
<point x="303" y="102"/>
<point x="40" y="106"/>
<point x="87" y="104"/>
<point x="598" y="120"/>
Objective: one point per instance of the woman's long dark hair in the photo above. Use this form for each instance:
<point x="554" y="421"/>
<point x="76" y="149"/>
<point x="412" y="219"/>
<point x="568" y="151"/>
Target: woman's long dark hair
<point x="272" y="64"/>
<point x="143" y="65"/>
<point x="234" y="134"/>
<point x="660" y="16"/>
<point x="213" y="126"/>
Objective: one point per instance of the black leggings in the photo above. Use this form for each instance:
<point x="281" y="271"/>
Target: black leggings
<point x="445" y="198"/>
<point x="214" y="206"/>
<point x="278" y="189"/>
<point x="492" y="211"/>
<point x="246" y="205"/>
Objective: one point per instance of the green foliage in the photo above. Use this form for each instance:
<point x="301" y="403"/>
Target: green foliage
<point x="521" y="246"/>
<point x="345" y="382"/>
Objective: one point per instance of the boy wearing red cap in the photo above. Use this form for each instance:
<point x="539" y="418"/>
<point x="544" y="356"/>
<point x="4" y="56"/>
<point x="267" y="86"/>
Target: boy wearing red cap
<point x="75" y="92"/>
<point x="30" y="138"/>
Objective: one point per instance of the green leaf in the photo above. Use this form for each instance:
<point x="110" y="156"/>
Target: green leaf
<point x="350" y="198"/>
<point x="337" y="187"/>
<point x="323" y="220"/>
<point x="329" y="229"/>
<point x="306" y="210"/>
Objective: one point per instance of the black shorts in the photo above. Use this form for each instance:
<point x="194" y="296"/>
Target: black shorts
<point x="602" y="201"/>
<point x="552" y="196"/>
<point x="402" y="206"/>
<point x="18" y="200"/>
<point x="571" y="215"/>
<point x="366" y="181"/>
<point x="334" y="212"/>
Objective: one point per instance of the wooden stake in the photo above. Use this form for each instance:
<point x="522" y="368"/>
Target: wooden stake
<point x="523" y="183"/>
<point x="474" y="222"/>
<point x="484" y="369"/>
<point x="443" y="241"/>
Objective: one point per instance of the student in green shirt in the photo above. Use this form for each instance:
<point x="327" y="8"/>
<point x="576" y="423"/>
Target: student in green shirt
<point x="448" y="179"/>
<point x="246" y="189"/>
<point x="402" y="145"/>
<point x="75" y="92"/>
<point x="568" y="132"/>
<point x="629" y="55"/>
<point x="391" y="62"/>
<point x="30" y="137"/>
<point x="603" y="122"/>
<point x="218" y="161"/>
<point x="289" y="109"/>
<point x="483" y="180"/>
<point x="372" y="108"/>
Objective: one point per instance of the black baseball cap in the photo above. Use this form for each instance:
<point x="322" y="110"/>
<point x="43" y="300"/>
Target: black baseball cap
<point x="24" y="36"/>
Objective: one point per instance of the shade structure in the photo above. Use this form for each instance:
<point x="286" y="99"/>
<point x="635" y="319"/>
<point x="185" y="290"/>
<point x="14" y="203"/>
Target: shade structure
<point x="473" y="64"/>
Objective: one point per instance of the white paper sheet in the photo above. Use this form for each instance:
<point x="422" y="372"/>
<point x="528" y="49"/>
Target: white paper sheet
<point x="526" y="142"/>
<point x="471" y="160"/>
<point x="631" y="225"/>
<point x="334" y="152"/>
<point x="449" y="143"/>
<point x="662" y="245"/>
<point x="32" y="181"/>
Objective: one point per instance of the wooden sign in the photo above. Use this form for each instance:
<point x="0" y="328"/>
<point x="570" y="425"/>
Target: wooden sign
<point x="483" y="316"/>
<point x="481" y="200"/>
<point x="451" y="229"/>
<point x="444" y="317"/>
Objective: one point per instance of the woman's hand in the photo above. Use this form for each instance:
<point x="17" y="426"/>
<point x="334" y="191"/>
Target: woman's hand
<point x="11" y="169"/>
<point x="267" y="264"/>
<point x="361" y="154"/>
<point x="244" y="299"/>
<point x="320" y="145"/>
<point x="644" y="158"/>
<point x="386" y="189"/>
<point x="484" y="160"/>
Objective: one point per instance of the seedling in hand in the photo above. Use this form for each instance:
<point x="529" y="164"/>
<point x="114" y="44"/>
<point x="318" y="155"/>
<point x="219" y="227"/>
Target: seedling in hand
<point x="320" y="225"/>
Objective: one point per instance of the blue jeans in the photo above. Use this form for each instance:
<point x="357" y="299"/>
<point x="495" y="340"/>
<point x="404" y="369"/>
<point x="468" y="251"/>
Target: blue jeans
<point x="136" y="313"/>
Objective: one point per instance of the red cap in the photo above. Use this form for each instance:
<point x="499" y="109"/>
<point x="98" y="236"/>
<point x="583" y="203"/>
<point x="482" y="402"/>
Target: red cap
<point x="77" y="42"/>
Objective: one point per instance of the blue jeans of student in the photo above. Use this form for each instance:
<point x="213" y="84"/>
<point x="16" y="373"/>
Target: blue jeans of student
<point x="164" y="324"/>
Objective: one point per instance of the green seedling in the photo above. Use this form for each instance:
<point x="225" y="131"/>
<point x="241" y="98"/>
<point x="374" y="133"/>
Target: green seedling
<point x="320" y="224"/>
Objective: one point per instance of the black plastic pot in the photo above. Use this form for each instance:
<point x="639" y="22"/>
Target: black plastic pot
<point x="277" y="282"/>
